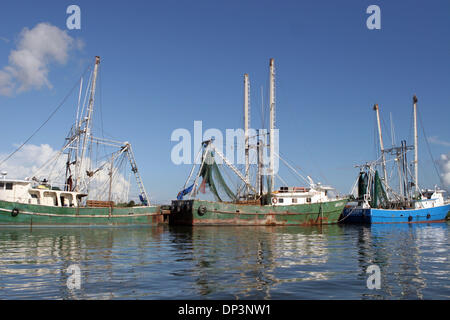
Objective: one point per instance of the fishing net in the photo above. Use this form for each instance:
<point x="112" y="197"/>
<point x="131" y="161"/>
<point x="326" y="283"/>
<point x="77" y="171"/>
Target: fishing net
<point x="213" y="178"/>
<point x="379" y="198"/>
<point x="362" y="185"/>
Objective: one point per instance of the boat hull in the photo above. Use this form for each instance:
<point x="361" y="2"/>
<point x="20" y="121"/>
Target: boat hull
<point x="200" y="212"/>
<point x="20" y="214"/>
<point x="369" y="215"/>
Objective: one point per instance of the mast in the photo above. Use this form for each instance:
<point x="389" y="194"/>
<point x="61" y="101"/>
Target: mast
<point x="383" y="158"/>
<point x="246" y="127"/>
<point x="272" y="124"/>
<point x="87" y="128"/>
<point x="259" y="181"/>
<point x="400" y="179"/>
<point x="110" y="185"/>
<point x="416" y="151"/>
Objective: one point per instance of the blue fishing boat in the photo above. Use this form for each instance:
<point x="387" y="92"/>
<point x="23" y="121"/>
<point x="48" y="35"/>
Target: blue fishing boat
<point x="377" y="201"/>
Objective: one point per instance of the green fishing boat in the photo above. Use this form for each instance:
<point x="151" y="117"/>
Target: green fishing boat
<point x="74" y="188"/>
<point x="200" y="212"/>
<point x="252" y="204"/>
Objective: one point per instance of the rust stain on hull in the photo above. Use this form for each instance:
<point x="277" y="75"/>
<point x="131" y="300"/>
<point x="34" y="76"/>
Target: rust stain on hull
<point x="198" y="212"/>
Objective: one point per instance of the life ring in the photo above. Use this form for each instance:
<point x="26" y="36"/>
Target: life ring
<point x="14" y="212"/>
<point x="201" y="210"/>
<point x="274" y="200"/>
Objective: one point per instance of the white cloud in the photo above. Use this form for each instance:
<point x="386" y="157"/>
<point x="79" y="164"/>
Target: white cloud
<point x="4" y="39"/>
<point x="6" y="83"/>
<point x="436" y="140"/>
<point x="444" y="164"/>
<point x="31" y="158"/>
<point x="37" y="48"/>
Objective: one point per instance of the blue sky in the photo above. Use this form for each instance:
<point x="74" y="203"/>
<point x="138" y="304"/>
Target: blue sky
<point x="168" y="63"/>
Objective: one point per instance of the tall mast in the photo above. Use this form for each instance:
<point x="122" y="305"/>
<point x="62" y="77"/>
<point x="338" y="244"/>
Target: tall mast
<point x="246" y="127"/>
<point x="259" y="181"/>
<point x="272" y="124"/>
<point x="416" y="151"/>
<point x="110" y="185"/>
<point x="383" y="158"/>
<point x="87" y="128"/>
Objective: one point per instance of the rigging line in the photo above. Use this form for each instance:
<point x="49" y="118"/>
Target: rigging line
<point x="101" y="103"/>
<point x="235" y="185"/>
<point x="84" y="105"/>
<point x="376" y="144"/>
<point x="53" y="158"/>
<point x="353" y="190"/>
<point x="411" y="125"/>
<point x="429" y="149"/>
<point x="262" y="108"/>
<point x="53" y="168"/>
<point x="279" y="177"/>
<point x="293" y="169"/>
<point x="45" y="122"/>
<point x="297" y="166"/>
<point x="283" y="158"/>
<point x="116" y="173"/>
<point x="385" y="130"/>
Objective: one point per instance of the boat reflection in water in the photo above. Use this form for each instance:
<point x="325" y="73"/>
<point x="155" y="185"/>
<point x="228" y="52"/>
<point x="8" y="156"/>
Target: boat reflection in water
<point x="258" y="262"/>
<point x="407" y="255"/>
<point x="33" y="263"/>
<point x="217" y="262"/>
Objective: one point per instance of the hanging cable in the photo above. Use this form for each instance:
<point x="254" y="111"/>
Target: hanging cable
<point x="45" y="122"/>
<point x="429" y="149"/>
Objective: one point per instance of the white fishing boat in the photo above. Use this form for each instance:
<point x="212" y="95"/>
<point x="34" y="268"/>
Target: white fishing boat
<point x="83" y="194"/>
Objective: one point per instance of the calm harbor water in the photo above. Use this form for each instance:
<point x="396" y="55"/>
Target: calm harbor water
<point x="165" y="262"/>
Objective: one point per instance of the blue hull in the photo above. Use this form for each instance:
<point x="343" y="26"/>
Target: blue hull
<point x="357" y="215"/>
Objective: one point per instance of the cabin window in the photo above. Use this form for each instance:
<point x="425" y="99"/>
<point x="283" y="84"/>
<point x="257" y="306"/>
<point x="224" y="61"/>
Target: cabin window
<point x="308" y="200"/>
<point x="9" y="186"/>
<point x="2" y="185"/>
<point x="281" y="200"/>
<point x="294" y="200"/>
<point x="53" y="197"/>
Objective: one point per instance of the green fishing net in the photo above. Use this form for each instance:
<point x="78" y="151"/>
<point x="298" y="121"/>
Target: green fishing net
<point x="213" y="178"/>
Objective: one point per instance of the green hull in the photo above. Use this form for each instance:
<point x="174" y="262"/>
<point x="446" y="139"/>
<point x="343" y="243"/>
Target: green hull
<point x="199" y="212"/>
<point x="39" y="215"/>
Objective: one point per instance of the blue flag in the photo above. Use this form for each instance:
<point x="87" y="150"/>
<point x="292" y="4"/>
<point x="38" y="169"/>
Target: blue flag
<point x="184" y="192"/>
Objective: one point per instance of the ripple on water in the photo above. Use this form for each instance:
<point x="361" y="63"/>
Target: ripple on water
<point x="164" y="262"/>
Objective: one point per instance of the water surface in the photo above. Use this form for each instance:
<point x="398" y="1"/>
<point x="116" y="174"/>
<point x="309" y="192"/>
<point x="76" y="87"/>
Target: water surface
<point x="229" y="262"/>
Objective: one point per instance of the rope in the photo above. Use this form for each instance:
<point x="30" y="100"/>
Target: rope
<point x="429" y="149"/>
<point x="348" y="215"/>
<point x="45" y="122"/>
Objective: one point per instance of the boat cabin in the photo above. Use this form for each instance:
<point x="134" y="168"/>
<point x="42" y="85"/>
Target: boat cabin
<point x="23" y="191"/>
<point x="430" y="199"/>
<point x="300" y="195"/>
